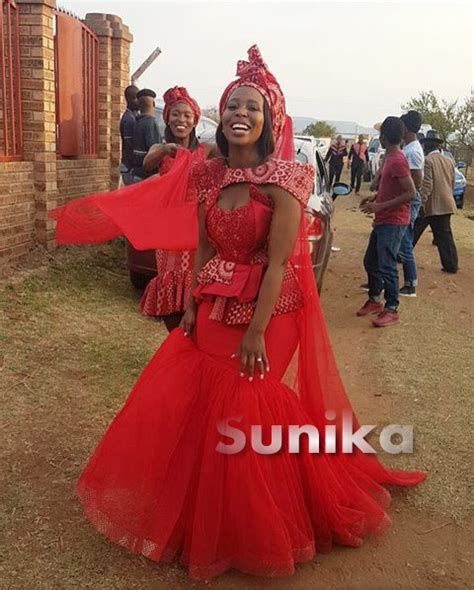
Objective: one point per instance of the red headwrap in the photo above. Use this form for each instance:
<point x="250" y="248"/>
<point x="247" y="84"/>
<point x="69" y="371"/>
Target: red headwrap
<point x="179" y="94"/>
<point x="255" y="73"/>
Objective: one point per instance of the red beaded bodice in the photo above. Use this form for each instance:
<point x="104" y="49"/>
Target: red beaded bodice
<point x="240" y="237"/>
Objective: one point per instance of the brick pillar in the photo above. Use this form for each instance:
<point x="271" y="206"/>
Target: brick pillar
<point x="39" y="107"/>
<point x="114" y="75"/>
<point x="121" y="41"/>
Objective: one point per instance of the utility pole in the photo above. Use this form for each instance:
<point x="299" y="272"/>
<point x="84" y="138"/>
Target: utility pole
<point x="145" y="65"/>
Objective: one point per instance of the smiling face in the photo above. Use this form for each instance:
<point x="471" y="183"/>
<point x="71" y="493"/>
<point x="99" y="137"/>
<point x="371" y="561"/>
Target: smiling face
<point x="243" y="117"/>
<point x="181" y="120"/>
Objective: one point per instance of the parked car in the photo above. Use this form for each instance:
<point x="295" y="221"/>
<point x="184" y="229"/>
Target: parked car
<point x="459" y="186"/>
<point x="320" y="207"/>
<point x="320" y="143"/>
<point x="142" y="264"/>
<point x="459" y="179"/>
<point x="376" y="154"/>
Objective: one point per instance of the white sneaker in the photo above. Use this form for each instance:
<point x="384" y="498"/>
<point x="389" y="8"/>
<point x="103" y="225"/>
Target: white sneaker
<point x="335" y="249"/>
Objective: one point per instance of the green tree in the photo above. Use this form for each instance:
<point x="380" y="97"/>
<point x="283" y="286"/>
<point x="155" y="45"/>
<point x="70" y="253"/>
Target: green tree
<point x="439" y="113"/>
<point x="320" y="129"/>
<point x="464" y="125"/>
<point x="450" y="119"/>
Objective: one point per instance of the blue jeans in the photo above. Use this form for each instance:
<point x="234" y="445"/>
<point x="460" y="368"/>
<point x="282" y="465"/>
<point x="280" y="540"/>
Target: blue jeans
<point x="406" y="253"/>
<point x="380" y="262"/>
<point x="127" y="178"/>
<point x="126" y="174"/>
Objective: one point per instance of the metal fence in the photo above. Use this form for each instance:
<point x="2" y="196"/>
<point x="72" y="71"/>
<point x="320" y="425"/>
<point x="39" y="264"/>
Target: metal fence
<point x="11" y="133"/>
<point x="77" y="87"/>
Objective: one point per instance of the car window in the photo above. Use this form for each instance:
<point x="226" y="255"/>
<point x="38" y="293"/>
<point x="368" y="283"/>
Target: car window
<point x="159" y="118"/>
<point x="374" y="145"/>
<point x="323" y="179"/>
<point x="301" y="157"/>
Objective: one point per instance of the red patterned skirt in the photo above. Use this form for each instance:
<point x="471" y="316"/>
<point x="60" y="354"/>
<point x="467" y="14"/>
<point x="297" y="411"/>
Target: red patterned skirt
<point x="169" y="291"/>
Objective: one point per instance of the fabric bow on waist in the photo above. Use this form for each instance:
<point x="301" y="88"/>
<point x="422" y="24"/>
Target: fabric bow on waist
<point x="224" y="279"/>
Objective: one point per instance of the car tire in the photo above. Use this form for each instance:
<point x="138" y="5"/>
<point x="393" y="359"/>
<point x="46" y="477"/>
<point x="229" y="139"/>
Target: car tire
<point x="138" y="280"/>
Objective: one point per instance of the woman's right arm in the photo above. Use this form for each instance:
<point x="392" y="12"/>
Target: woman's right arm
<point x="155" y="155"/>
<point x="205" y="251"/>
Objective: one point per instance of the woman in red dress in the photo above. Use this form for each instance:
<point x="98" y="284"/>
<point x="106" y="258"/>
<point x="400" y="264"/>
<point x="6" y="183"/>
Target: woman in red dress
<point x="166" y="295"/>
<point x="253" y="353"/>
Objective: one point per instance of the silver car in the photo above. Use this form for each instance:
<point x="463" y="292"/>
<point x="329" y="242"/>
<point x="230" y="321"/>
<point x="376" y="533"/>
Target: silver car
<point x="320" y="207"/>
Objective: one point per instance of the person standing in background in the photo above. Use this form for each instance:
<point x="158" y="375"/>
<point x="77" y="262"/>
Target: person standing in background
<point x="127" y="128"/>
<point x="391" y="209"/>
<point x="416" y="160"/>
<point x="167" y="294"/>
<point x="358" y="159"/>
<point x="437" y="201"/>
<point x="335" y="156"/>
<point x="146" y="132"/>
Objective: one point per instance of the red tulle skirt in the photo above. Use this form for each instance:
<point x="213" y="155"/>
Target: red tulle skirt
<point x="169" y="291"/>
<point x="157" y="485"/>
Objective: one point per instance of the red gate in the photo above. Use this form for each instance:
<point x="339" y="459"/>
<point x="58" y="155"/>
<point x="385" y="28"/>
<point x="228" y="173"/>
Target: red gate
<point x="77" y="87"/>
<point x="11" y="134"/>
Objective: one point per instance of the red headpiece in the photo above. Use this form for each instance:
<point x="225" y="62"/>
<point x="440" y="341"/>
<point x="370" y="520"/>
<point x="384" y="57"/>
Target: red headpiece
<point x="255" y="73"/>
<point x="179" y="94"/>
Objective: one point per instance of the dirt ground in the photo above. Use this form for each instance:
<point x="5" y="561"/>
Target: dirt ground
<point x="70" y="354"/>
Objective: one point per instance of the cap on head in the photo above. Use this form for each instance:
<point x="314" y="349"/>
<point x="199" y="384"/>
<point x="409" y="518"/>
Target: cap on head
<point x="146" y="92"/>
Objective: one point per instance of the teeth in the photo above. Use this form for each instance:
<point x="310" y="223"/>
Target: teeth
<point x="238" y="126"/>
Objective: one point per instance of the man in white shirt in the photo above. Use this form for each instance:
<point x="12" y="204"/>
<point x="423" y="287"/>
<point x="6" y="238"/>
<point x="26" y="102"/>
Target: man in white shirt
<point x="416" y="160"/>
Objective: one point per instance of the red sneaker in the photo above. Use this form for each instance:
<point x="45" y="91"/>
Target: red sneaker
<point x="386" y="318"/>
<point x="370" y="307"/>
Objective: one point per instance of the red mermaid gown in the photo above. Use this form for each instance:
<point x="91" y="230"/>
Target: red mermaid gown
<point x="156" y="483"/>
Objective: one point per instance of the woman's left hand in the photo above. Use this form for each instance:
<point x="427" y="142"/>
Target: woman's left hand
<point x="253" y="354"/>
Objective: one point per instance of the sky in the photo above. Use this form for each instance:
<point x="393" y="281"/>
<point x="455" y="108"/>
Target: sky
<point x="354" y="61"/>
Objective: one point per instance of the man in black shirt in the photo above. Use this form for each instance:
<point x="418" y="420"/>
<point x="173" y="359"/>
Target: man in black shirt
<point x="146" y="132"/>
<point x="127" y="127"/>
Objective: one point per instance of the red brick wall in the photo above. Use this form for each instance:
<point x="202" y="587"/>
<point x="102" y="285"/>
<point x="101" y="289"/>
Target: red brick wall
<point x="77" y="178"/>
<point x="17" y="210"/>
<point x="29" y="190"/>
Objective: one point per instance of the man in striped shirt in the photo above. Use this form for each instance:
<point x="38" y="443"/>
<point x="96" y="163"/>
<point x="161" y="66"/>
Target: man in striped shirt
<point x="358" y="159"/>
<point x="335" y="156"/>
